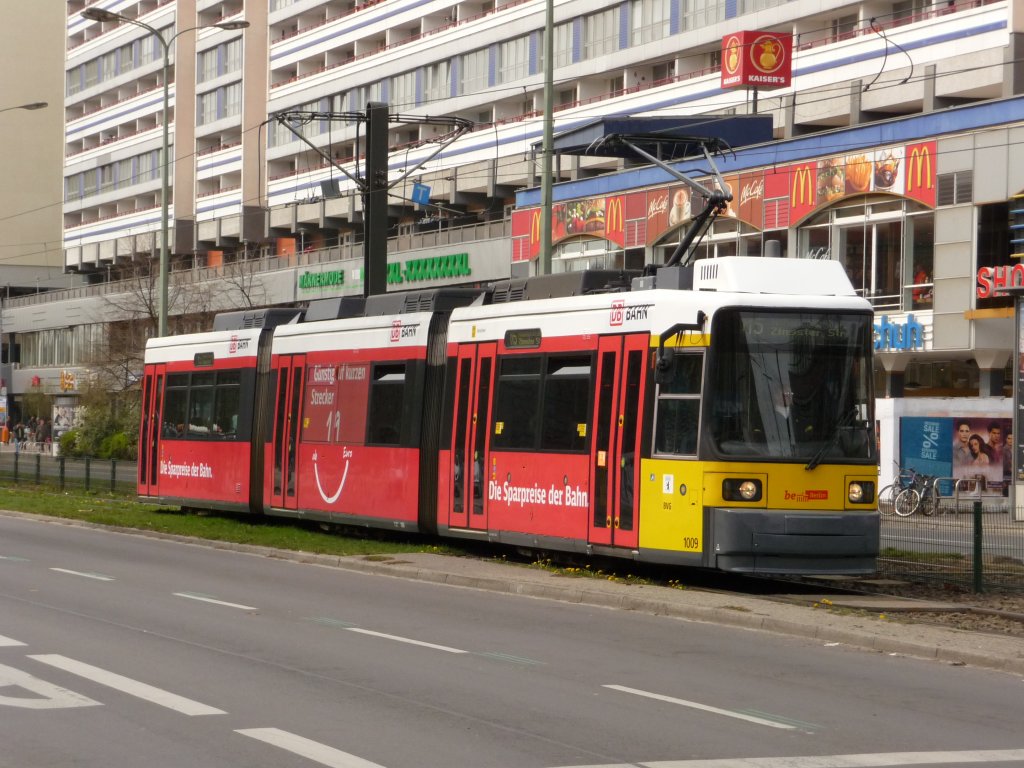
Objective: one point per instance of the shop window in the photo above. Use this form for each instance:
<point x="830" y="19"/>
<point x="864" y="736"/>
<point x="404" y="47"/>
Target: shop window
<point x="879" y="245"/>
<point x="920" y="233"/>
<point x="994" y="246"/>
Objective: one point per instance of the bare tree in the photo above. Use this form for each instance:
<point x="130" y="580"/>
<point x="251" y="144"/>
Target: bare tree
<point x="130" y="314"/>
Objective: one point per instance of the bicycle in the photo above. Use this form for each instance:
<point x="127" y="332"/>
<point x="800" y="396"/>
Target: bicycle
<point x="887" y="496"/>
<point x="922" y="494"/>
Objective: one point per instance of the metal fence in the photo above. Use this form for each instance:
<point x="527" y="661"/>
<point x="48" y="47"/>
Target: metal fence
<point x="64" y="473"/>
<point x="976" y="543"/>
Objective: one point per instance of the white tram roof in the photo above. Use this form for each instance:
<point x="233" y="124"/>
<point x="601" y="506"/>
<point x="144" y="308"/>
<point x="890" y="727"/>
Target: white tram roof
<point x="755" y="282"/>
<point x="374" y="332"/>
<point x="235" y="345"/>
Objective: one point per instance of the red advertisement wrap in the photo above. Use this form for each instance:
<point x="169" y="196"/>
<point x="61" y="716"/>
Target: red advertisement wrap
<point x="657" y="214"/>
<point x="526" y="234"/>
<point x="802" y="190"/>
<point x="329" y="389"/>
<point x="757" y="60"/>
<point x="204" y="469"/>
<point x="920" y="182"/>
<point x="615" y="220"/>
<point x="553" y="498"/>
<point x="358" y="480"/>
<point x="770" y="198"/>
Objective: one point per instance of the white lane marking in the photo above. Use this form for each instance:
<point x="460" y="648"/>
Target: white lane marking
<point x="879" y="760"/>
<point x="206" y="599"/>
<point x="14" y="559"/>
<point x="702" y="707"/>
<point x="84" y="574"/>
<point x="408" y="640"/>
<point x="129" y="686"/>
<point x="311" y="750"/>
<point x="47" y="695"/>
<point x="9" y="642"/>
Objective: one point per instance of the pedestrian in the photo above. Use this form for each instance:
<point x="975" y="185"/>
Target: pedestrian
<point x="44" y="435"/>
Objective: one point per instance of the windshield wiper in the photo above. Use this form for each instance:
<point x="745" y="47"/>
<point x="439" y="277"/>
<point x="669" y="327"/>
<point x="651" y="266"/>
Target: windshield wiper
<point x="843" y="422"/>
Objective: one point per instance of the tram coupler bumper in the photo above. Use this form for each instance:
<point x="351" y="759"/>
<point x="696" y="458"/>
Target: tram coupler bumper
<point x="784" y="541"/>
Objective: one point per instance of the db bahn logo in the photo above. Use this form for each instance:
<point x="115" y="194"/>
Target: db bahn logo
<point x="618" y="312"/>
<point x="919" y="169"/>
<point x="622" y="314"/>
<point x="802" y="191"/>
<point x="399" y="331"/>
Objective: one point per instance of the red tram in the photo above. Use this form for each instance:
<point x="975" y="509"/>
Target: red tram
<point x="724" y="422"/>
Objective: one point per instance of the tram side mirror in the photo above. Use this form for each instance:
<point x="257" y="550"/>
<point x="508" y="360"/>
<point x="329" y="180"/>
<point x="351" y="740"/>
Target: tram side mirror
<point x="664" y="364"/>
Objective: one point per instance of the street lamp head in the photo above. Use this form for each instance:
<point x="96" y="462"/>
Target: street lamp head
<point x="230" y="25"/>
<point x="101" y="14"/>
<point x="34" y="105"/>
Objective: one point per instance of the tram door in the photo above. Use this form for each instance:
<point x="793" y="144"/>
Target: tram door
<point x="149" y="435"/>
<point x="468" y="473"/>
<point x="615" y="449"/>
<point x="287" y="422"/>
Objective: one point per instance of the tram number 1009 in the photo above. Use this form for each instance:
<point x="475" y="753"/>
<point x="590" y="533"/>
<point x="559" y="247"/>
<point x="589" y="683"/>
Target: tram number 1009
<point x="691" y="542"/>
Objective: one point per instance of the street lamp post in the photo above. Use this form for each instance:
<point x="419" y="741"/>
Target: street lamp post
<point x="99" y="14"/>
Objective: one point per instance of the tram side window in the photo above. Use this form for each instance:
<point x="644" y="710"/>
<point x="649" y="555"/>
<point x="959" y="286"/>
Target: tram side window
<point x="387" y="403"/>
<point x="517" y="404"/>
<point x="566" y="403"/>
<point x="678" y="409"/>
<point x="227" y="403"/>
<point x="175" y="405"/>
<point x="203" y="405"/>
<point x="200" y="404"/>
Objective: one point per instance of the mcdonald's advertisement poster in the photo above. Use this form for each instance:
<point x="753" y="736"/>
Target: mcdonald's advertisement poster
<point x="757" y="60"/>
<point x="766" y="199"/>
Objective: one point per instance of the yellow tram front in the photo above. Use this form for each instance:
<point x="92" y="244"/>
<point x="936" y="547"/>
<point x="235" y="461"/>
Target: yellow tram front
<point x="762" y="456"/>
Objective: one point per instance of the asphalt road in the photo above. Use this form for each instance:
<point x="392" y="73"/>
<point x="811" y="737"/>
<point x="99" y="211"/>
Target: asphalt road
<point x="120" y="651"/>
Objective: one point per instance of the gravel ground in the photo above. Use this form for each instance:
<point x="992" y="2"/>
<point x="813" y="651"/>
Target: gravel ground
<point x="996" y="611"/>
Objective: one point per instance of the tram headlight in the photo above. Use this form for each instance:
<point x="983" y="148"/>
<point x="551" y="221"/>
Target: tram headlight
<point x="861" y="492"/>
<point x="741" y="489"/>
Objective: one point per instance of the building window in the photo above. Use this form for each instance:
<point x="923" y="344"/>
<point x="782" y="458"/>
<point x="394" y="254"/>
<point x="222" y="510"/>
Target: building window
<point x="219" y="103"/>
<point x="601" y="33"/>
<point x="994" y="247"/>
<point x="955" y="188"/>
<point x="649" y="20"/>
<point x="474" y="72"/>
<point x="514" y="59"/>
<point x="696" y="14"/>
<point x="884" y="244"/>
<point x="402" y="90"/>
<point x="437" y="81"/>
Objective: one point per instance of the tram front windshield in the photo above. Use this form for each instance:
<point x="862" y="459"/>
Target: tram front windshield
<point x="791" y="385"/>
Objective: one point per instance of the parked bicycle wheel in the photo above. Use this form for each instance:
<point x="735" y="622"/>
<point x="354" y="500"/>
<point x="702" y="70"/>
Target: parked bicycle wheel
<point x="887" y="499"/>
<point x="929" y="499"/>
<point x="907" y="502"/>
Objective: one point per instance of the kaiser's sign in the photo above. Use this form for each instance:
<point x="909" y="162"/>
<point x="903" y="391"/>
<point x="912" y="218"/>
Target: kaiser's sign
<point x="757" y="60"/>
